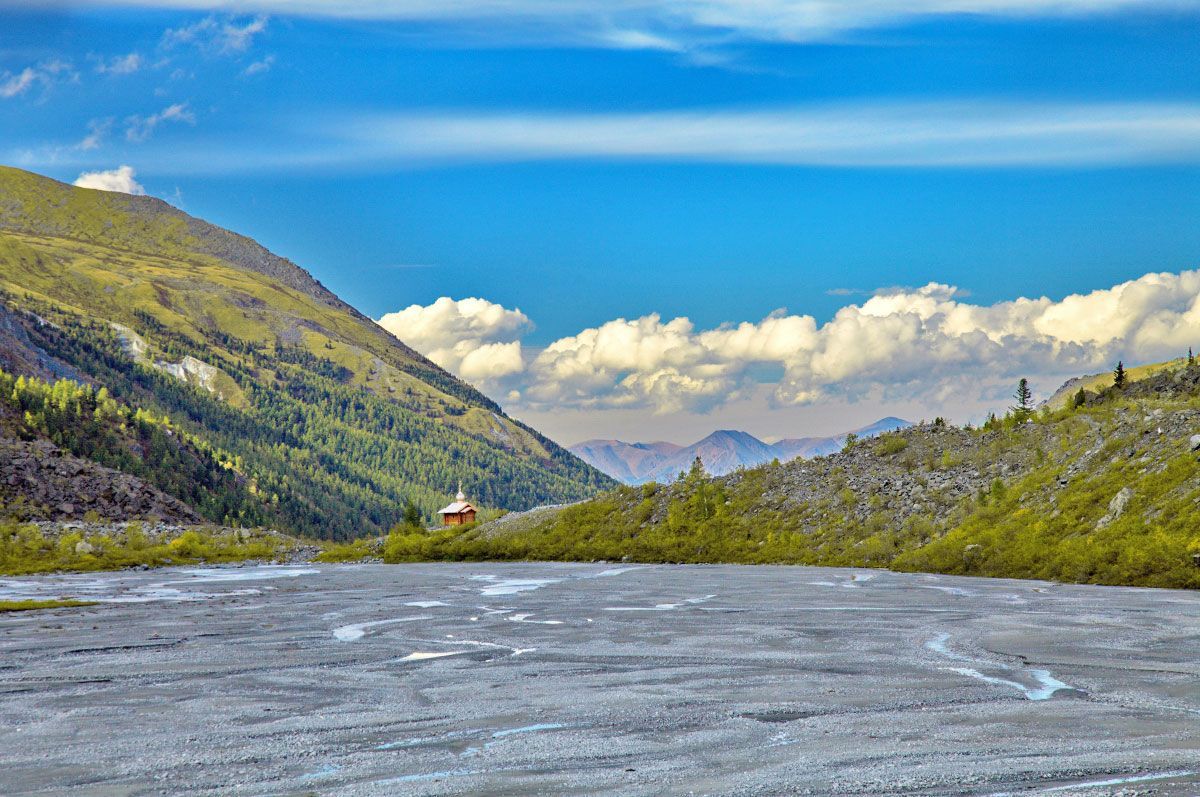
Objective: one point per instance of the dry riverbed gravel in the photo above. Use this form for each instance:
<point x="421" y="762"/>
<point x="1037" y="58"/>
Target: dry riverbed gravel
<point x="595" y="679"/>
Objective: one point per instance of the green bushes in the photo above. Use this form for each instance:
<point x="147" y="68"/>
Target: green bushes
<point x="891" y="444"/>
<point x="1150" y="544"/>
<point x="354" y="551"/>
<point x="24" y="549"/>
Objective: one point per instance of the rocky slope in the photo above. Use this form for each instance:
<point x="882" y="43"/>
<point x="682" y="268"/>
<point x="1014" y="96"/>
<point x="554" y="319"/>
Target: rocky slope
<point x="1105" y="493"/>
<point x="38" y="480"/>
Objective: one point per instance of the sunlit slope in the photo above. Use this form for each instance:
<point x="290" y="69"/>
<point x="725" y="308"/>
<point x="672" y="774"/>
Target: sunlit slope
<point x="1094" y="383"/>
<point x="239" y="326"/>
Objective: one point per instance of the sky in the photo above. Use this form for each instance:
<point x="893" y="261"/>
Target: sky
<point x="650" y="219"/>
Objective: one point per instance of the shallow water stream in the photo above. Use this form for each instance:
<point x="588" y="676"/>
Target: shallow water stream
<point x="586" y="679"/>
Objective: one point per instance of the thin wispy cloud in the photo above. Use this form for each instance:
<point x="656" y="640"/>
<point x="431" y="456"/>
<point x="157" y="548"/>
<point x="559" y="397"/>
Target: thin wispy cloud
<point x="919" y="134"/>
<point x="44" y="74"/>
<point x="121" y="64"/>
<point x="98" y="130"/>
<point x="258" y="67"/>
<point x="583" y="21"/>
<point x="140" y="128"/>
<point x="215" y="35"/>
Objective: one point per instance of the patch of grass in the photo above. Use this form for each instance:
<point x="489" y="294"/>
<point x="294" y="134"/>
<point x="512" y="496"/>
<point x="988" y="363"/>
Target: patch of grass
<point x="33" y="605"/>
<point x="891" y="444"/>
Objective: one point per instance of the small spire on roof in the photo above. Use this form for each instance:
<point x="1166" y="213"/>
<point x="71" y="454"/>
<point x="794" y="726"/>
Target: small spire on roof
<point x="460" y="496"/>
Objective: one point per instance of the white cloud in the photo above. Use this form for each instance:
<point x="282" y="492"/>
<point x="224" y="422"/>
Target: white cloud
<point x="15" y="85"/>
<point x="140" y="128"/>
<point x="474" y="338"/>
<point x="215" y="35"/>
<point x="584" y="21"/>
<point x="923" y="343"/>
<point x="98" y="130"/>
<point x="120" y="65"/>
<point x="911" y="134"/>
<point x="258" y="67"/>
<point x="46" y="73"/>
<point x="120" y="179"/>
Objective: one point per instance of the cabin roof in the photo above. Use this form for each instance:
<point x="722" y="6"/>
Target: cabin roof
<point x="457" y="508"/>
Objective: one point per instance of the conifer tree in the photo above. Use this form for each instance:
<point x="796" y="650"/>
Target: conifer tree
<point x="1024" y="396"/>
<point x="1191" y="357"/>
<point x="1119" y="377"/>
<point x="412" y="515"/>
<point x="1080" y="399"/>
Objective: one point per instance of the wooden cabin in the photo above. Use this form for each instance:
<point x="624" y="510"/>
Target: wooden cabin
<point x="459" y="512"/>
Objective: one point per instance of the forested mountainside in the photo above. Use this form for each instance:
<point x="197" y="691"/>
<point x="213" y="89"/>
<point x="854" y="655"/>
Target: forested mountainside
<point x="1104" y="490"/>
<point x="301" y="412"/>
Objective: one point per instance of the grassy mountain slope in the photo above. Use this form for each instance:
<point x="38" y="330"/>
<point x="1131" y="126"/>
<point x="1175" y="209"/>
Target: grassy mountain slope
<point x="1094" y="383"/>
<point x="1106" y="493"/>
<point x="325" y="416"/>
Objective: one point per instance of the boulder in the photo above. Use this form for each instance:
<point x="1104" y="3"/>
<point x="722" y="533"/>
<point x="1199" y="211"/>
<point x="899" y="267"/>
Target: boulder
<point x="83" y="547"/>
<point x="1116" y="507"/>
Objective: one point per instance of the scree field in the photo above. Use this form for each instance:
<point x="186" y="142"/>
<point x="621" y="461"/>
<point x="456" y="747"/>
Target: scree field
<point x="595" y="679"/>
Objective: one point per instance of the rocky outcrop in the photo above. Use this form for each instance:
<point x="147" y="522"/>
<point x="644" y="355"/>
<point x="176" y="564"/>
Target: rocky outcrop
<point x="1116" y="507"/>
<point x="41" y="481"/>
<point x="20" y="355"/>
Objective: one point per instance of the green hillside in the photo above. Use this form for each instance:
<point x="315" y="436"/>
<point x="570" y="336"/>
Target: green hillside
<point x="1105" y="493"/>
<point x="328" y="420"/>
<point x="1094" y="383"/>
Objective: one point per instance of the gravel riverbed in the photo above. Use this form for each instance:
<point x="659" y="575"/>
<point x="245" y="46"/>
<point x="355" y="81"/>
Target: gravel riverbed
<point x="515" y="679"/>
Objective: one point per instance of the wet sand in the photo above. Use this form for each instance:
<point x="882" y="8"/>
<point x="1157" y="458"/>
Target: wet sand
<point x="596" y="679"/>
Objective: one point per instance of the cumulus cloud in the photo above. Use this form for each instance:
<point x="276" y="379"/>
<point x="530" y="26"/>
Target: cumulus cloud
<point x="474" y="338"/>
<point x="905" y="343"/>
<point x="140" y="128"/>
<point x="120" y="179"/>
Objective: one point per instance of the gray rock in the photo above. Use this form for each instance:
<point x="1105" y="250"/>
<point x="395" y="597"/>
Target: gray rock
<point x="1116" y="507"/>
<point x="1194" y="441"/>
<point x="83" y="547"/>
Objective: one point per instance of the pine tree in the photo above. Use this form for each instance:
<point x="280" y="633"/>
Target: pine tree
<point x="1191" y="357"/>
<point x="412" y="515"/>
<point x="1119" y="377"/>
<point x="1024" y="396"/>
<point x="1080" y="399"/>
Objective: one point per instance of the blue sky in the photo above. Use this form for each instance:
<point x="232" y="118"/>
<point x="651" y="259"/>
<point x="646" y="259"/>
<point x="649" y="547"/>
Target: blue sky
<point x="590" y="163"/>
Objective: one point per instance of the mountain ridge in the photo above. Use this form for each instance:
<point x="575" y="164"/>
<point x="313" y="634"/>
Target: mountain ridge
<point x="331" y="422"/>
<point x="722" y="451"/>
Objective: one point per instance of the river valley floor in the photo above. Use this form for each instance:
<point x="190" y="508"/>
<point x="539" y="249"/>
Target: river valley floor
<point x="516" y="679"/>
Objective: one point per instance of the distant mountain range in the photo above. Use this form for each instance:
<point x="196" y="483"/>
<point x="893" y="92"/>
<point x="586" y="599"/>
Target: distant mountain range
<point x="721" y="452"/>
